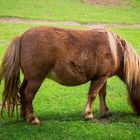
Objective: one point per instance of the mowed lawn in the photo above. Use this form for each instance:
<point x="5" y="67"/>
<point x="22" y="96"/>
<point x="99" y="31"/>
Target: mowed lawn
<point x="74" y="10"/>
<point x="60" y="108"/>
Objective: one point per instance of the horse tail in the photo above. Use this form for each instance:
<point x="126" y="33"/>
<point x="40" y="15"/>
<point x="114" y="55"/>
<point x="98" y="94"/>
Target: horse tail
<point x="132" y="75"/>
<point x="9" y="73"/>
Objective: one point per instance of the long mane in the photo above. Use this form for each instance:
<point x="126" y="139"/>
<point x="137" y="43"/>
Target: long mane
<point x="131" y="66"/>
<point x="132" y="76"/>
<point x="131" y="69"/>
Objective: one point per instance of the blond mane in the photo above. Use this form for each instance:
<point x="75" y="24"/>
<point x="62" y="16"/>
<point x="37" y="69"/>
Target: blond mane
<point x="131" y="65"/>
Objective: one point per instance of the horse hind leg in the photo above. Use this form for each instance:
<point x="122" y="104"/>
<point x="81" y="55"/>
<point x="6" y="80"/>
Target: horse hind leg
<point x="29" y="89"/>
<point x="22" y="88"/>
<point x="102" y="99"/>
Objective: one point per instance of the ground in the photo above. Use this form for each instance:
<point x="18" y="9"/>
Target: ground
<point x="58" y="107"/>
<point x="122" y="3"/>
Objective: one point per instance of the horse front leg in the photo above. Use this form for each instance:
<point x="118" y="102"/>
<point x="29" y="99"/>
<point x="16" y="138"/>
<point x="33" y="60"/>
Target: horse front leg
<point x="102" y="99"/>
<point x="95" y="87"/>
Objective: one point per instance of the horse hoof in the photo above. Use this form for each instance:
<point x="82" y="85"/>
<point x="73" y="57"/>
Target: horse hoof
<point x="88" y="117"/>
<point x="33" y="120"/>
<point x="106" y="114"/>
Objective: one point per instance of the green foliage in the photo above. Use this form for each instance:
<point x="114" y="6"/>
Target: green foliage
<point x="60" y="108"/>
<point x="74" y="10"/>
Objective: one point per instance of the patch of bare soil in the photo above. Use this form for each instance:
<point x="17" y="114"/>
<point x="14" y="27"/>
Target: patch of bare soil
<point x="121" y="3"/>
<point x="64" y="23"/>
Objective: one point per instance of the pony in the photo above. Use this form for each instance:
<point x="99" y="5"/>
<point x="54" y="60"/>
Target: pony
<point x="70" y="57"/>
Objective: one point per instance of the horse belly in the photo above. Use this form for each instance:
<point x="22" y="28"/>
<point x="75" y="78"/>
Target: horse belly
<point x="66" y="75"/>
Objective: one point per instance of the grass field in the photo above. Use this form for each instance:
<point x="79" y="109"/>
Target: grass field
<point x="74" y="10"/>
<point x="60" y="108"/>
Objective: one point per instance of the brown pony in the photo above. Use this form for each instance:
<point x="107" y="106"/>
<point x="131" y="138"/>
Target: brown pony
<point x="70" y="57"/>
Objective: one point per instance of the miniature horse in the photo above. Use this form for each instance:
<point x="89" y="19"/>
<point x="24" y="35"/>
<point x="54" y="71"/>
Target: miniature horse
<point x="69" y="57"/>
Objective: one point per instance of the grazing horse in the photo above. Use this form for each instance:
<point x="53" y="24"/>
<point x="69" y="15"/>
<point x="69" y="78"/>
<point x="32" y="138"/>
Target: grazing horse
<point x="70" y="57"/>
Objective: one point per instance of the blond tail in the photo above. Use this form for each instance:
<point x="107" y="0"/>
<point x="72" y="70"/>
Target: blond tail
<point x="9" y="73"/>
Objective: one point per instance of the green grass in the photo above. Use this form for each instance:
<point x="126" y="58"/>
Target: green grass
<point x="60" y="108"/>
<point x="74" y="10"/>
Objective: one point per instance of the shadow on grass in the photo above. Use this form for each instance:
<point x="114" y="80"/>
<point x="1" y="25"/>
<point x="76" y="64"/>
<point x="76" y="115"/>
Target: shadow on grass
<point x="77" y="116"/>
<point x="119" y="117"/>
<point x="116" y="117"/>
